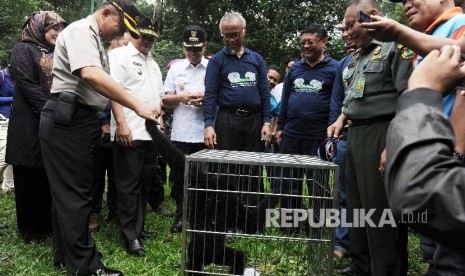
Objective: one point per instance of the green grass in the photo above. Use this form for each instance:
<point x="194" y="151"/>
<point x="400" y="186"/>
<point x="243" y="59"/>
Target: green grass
<point x="163" y="254"/>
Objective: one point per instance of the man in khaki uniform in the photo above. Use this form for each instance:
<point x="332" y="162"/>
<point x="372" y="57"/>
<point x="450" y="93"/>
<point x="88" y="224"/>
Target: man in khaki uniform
<point x="69" y="128"/>
<point x="374" y="79"/>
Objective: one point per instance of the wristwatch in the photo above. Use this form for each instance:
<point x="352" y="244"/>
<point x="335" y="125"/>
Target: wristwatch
<point x="457" y="155"/>
<point x="267" y="124"/>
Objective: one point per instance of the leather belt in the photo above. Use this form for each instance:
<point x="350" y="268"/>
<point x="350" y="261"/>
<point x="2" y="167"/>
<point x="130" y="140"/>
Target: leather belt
<point x="241" y="112"/>
<point x="370" y="121"/>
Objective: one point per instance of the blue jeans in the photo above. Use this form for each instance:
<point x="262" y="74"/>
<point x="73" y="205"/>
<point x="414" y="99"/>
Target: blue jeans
<point x="342" y="233"/>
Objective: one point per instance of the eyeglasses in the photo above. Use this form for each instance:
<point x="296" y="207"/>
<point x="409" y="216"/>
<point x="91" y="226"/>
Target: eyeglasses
<point x="194" y="49"/>
<point x="233" y="36"/>
<point x="309" y="42"/>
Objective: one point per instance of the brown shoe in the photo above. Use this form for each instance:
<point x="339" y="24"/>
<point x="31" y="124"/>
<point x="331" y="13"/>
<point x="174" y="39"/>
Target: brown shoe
<point x="94" y="222"/>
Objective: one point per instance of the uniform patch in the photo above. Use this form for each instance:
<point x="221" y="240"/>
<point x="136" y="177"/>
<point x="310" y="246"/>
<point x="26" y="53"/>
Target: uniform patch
<point x="407" y="53"/>
<point x="359" y="89"/>
<point x="377" y="54"/>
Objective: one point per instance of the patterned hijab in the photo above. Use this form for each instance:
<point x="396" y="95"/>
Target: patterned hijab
<point x="35" y="27"/>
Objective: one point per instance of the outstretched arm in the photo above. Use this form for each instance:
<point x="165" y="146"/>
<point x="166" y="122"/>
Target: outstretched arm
<point x="385" y="29"/>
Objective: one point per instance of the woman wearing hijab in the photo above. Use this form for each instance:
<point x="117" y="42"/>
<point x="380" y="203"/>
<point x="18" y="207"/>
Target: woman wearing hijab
<point x="31" y="68"/>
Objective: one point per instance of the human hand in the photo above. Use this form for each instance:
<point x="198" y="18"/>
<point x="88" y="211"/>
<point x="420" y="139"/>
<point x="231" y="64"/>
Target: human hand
<point x="197" y="101"/>
<point x="266" y="134"/>
<point x="124" y="135"/>
<point x="148" y="111"/>
<point x="189" y="98"/>
<point x="278" y="135"/>
<point x="105" y="131"/>
<point x="427" y="75"/>
<point x="382" y="163"/>
<point x="336" y="128"/>
<point x="382" y="28"/>
<point x="209" y="137"/>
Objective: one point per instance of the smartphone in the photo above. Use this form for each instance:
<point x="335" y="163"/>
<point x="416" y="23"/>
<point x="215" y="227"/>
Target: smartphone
<point x="363" y="17"/>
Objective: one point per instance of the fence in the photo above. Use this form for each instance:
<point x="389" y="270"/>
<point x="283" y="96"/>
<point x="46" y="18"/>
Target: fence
<point x="251" y="213"/>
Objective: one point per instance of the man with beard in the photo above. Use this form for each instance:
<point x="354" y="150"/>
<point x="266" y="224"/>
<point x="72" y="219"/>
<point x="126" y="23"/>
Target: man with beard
<point x="237" y="85"/>
<point x="236" y="82"/>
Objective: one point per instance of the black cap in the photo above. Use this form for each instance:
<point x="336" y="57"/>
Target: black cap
<point x="193" y="36"/>
<point x="129" y="14"/>
<point x="147" y="26"/>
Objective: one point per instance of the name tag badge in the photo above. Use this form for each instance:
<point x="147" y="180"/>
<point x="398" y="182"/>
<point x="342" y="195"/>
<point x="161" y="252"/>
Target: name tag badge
<point x="359" y="89"/>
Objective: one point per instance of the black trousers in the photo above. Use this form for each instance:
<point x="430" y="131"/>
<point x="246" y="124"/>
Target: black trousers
<point x="33" y="203"/>
<point x="132" y="182"/>
<point x="291" y="145"/>
<point x="178" y="188"/>
<point x="241" y="134"/>
<point x="290" y="180"/>
<point x="157" y="173"/>
<point x="68" y="152"/>
<point x="103" y="166"/>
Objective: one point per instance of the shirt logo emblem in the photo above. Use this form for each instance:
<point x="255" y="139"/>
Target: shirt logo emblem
<point x="248" y="80"/>
<point x="313" y="86"/>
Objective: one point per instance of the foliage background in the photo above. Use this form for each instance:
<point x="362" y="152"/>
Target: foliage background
<point x="272" y="26"/>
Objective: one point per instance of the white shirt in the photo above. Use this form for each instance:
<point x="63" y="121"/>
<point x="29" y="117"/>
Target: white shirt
<point x="142" y="78"/>
<point x="277" y="92"/>
<point x="183" y="77"/>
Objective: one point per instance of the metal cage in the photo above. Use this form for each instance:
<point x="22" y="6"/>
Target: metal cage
<point x="248" y="213"/>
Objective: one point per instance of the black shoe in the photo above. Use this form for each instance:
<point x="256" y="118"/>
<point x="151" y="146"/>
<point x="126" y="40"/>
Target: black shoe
<point x="59" y="264"/>
<point x="3" y="226"/>
<point x="105" y="271"/>
<point x="148" y="235"/>
<point x="351" y="269"/>
<point x="176" y="227"/>
<point x="135" y="248"/>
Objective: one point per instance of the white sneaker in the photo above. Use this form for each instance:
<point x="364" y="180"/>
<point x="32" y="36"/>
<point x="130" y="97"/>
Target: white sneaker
<point x="251" y="272"/>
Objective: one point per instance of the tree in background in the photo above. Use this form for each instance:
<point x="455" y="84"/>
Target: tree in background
<point x="12" y="16"/>
<point x="273" y="26"/>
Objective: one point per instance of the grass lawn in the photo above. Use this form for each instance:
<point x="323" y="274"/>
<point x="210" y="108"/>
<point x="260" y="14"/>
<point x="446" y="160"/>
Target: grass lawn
<point x="163" y="254"/>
